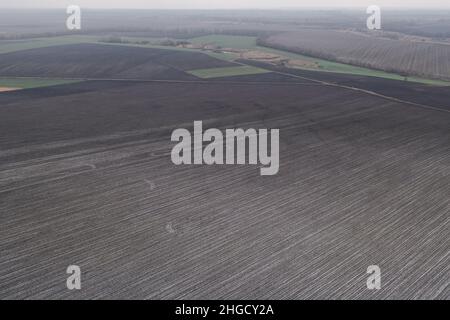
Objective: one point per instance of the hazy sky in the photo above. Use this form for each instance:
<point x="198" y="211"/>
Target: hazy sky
<point x="214" y="4"/>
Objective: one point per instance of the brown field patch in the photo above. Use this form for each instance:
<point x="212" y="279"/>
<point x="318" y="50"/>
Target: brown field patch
<point x="299" y="63"/>
<point x="6" y="89"/>
<point x="259" y="55"/>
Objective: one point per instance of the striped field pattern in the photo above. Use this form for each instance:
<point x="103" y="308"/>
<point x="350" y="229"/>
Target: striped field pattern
<point x="398" y="56"/>
<point x="86" y="178"/>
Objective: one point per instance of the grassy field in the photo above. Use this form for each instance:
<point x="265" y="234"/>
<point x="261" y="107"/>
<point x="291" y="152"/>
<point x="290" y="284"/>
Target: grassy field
<point x="19" y="45"/>
<point x="28" y="83"/>
<point x="226" y="72"/>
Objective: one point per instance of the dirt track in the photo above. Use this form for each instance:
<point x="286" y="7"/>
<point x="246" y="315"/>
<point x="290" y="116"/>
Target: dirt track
<point x="5" y="89"/>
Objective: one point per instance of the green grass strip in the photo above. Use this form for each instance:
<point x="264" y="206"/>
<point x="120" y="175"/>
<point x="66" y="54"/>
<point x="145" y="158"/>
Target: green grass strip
<point x="226" y="72"/>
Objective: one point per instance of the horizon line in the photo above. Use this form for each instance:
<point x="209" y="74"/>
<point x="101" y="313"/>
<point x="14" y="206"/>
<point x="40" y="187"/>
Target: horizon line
<point x="231" y="8"/>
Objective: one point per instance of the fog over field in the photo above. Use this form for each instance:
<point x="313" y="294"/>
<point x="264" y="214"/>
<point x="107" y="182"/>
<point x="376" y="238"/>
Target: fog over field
<point x="226" y="4"/>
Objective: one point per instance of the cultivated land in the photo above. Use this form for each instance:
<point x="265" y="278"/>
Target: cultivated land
<point x="436" y="96"/>
<point x="104" y="61"/>
<point x="234" y="42"/>
<point x="86" y="176"/>
<point x="363" y="179"/>
<point x="400" y="56"/>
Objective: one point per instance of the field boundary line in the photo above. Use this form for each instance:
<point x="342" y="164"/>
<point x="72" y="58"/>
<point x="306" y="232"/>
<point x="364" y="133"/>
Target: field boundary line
<point x="201" y="81"/>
